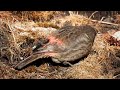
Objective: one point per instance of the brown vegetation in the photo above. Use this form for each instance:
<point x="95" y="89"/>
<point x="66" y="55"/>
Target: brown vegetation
<point x="27" y="27"/>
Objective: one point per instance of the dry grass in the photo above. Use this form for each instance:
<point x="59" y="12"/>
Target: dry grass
<point x="38" y="16"/>
<point x="101" y="63"/>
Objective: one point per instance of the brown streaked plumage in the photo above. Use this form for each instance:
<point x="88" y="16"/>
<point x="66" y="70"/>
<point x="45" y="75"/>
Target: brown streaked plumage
<point x="67" y="44"/>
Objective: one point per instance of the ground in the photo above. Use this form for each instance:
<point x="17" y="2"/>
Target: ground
<point x="102" y="63"/>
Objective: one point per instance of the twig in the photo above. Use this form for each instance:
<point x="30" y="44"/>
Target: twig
<point x="102" y="22"/>
<point x="93" y="14"/>
<point x="102" y="18"/>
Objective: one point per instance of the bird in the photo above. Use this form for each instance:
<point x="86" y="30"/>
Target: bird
<point x="67" y="44"/>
